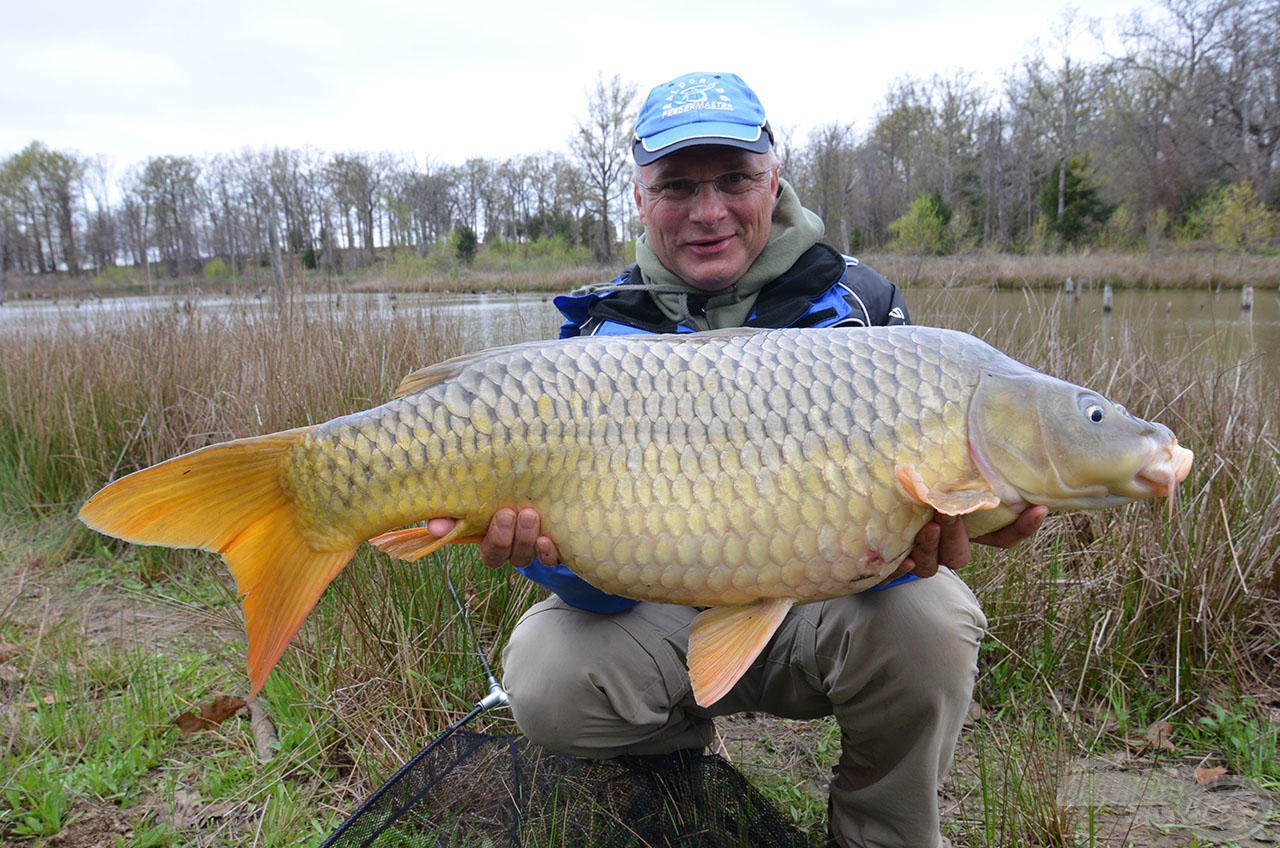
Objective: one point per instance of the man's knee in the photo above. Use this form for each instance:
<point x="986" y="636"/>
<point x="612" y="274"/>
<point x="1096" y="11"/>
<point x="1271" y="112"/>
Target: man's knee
<point x="920" y="639"/>
<point x="582" y="684"/>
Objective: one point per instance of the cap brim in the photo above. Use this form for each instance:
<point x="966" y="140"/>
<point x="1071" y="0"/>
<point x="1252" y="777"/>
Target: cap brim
<point x="753" y="139"/>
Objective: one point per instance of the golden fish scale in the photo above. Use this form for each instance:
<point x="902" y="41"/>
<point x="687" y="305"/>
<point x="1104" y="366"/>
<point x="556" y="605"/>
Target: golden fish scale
<point x="709" y="472"/>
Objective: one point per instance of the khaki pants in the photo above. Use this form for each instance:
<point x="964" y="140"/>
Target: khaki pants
<point x="895" y="667"/>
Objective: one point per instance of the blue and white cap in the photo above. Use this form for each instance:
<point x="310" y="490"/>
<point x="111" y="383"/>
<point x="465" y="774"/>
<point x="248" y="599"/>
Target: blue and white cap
<point x="695" y="109"/>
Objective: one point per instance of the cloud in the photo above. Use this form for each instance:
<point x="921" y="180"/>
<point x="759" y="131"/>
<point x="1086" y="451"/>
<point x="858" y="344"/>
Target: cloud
<point x="135" y="78"/>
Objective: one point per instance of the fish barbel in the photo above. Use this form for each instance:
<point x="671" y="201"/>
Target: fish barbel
<point x="742" y="470"/>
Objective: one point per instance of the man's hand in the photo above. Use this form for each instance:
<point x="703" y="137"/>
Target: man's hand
<point x="512" y="537"/>
<point x="1022" y="528"/>
<point x="945" y="541"/>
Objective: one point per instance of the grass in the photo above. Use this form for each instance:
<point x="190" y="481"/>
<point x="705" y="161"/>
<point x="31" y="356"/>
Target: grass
<point x="1106" y="625"/>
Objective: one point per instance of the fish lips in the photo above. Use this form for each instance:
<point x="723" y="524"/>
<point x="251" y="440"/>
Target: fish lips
<point x="1166" y="469"/>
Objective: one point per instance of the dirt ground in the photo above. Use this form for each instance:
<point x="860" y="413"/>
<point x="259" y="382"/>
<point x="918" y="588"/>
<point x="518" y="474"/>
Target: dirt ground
<point x="1123" y="800"/>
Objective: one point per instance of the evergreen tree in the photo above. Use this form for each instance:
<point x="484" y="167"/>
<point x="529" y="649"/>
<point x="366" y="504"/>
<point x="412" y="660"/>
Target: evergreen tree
<point x="1071" y="190"/>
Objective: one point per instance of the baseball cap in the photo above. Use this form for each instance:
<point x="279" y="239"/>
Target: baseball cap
<point x="700" y="108"/>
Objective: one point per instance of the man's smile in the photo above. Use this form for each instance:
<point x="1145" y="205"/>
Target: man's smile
<point x="709" y="245"/>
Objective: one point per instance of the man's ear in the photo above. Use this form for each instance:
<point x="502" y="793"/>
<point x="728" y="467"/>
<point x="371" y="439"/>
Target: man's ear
<point x="635" y="190"/>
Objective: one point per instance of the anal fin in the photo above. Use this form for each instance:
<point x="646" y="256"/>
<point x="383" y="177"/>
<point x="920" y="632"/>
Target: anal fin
<point x="413" y="543"/>
<point x="725" y="641"/>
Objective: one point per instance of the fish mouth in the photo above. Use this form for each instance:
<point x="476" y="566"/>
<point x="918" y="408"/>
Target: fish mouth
<point x="1162" y="474"/>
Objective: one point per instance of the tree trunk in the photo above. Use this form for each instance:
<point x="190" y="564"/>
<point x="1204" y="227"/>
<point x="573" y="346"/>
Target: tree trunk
<point x="277" y="264"/>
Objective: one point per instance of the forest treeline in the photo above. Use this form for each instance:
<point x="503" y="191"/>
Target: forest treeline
<point x="1172" y="138"/>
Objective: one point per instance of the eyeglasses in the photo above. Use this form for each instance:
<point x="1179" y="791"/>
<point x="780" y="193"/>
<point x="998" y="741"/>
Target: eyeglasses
<point x="732" y="184"/>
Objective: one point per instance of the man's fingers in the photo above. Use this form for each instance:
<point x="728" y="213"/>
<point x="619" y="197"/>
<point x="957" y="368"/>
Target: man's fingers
<point x="923" y="559"/>
<point x="495" y="547"/>
<point x="548" y="553"/>
<point x="953" y="541"/>
<point x="523" y="545"/>
<point x="1023" y="527"/>
<point x="441" y="527"/>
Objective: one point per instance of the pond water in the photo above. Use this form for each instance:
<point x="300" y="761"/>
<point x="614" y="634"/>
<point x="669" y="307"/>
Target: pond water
<point x="488" y="319"/>
<point x="1163" y="321"/>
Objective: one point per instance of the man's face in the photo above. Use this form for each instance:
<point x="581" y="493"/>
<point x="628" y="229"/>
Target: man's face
<point x="708" y="240"/>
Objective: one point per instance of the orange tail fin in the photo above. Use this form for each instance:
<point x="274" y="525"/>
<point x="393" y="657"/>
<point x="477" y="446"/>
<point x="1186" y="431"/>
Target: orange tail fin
<point x="227" y="498"/>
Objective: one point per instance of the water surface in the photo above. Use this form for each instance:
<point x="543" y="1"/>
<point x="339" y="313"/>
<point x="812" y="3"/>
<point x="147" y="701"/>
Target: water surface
<point x="1164" y="323"/>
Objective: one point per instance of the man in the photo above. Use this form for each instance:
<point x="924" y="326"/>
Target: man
<point x="727" y="243"/>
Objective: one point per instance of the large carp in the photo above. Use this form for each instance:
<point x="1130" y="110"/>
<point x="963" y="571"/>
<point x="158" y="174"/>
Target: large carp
<point x="743" y="470"/>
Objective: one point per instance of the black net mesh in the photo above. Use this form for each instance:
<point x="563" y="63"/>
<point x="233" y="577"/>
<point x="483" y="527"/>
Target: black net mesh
<point x="475" y="789"/>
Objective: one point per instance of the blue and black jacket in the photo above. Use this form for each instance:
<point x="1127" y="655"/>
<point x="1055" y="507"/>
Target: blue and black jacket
<point x="822" y="289"/>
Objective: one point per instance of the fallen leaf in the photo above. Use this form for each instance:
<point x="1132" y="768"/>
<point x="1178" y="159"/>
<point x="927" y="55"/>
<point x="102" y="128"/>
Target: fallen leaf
<point x="1158" y="736"/>
<point x="47" y="700"/>
<point x="1208" y="776"/>
<point x="189" y="812"/>
<point x="211" y="714"/>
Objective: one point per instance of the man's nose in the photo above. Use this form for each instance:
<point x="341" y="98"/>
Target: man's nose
<point x="707" y="205"/>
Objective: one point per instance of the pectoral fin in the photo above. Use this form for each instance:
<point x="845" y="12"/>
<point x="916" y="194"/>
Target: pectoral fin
<point x="413" y="543"/>
<point x="967" y="497"/>
<point x="726" y="640"/>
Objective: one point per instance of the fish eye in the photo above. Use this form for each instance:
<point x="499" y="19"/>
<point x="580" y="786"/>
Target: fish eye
<point x="1092" y="408"/>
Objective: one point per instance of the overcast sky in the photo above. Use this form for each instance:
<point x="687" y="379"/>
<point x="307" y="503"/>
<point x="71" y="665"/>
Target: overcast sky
<point x="449" y="80"/>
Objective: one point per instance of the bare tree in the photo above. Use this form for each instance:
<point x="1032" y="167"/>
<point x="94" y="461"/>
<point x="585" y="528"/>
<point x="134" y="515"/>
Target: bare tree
<point x="24" y="233"/>
<point x="164" y="200"/>
<point x="265" y="211"/>
<point x="1247" y="74"/>
<point x="995" y="182"/>
<point x="471" y="188"/>
<point x="226" y="185"/>
<point x="100" y="239"/>
<point x="957" y="115"/>
<point x="354" y="180"/>
<point x="886" y="167"/>
<point x="44" y="188"/>
<point x="59" y="176"/>
<point x="1058" y="90"/>
<point x="601" y="146"/>
<point x="825" y="173"/>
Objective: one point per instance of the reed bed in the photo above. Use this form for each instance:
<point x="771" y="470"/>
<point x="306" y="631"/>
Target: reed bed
<point x="1104" y="623"/>
<point x="1182" y="591"/>
<point x="1171" y="269"/>
<point x="86" y="400"/>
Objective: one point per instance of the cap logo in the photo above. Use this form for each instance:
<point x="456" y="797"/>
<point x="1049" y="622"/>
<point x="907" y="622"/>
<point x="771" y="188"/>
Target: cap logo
<point x="694" y="94"/>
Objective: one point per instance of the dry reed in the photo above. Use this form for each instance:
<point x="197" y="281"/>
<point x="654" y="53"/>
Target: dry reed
<point x="1171" y="270"/>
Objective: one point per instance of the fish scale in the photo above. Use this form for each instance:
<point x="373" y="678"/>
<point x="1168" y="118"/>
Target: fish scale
<point x="744" y="471"/>
<point x="778" y="475"/>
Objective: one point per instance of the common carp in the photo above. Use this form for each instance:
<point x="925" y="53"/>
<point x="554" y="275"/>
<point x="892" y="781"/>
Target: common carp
<point x="740" y="470"/>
